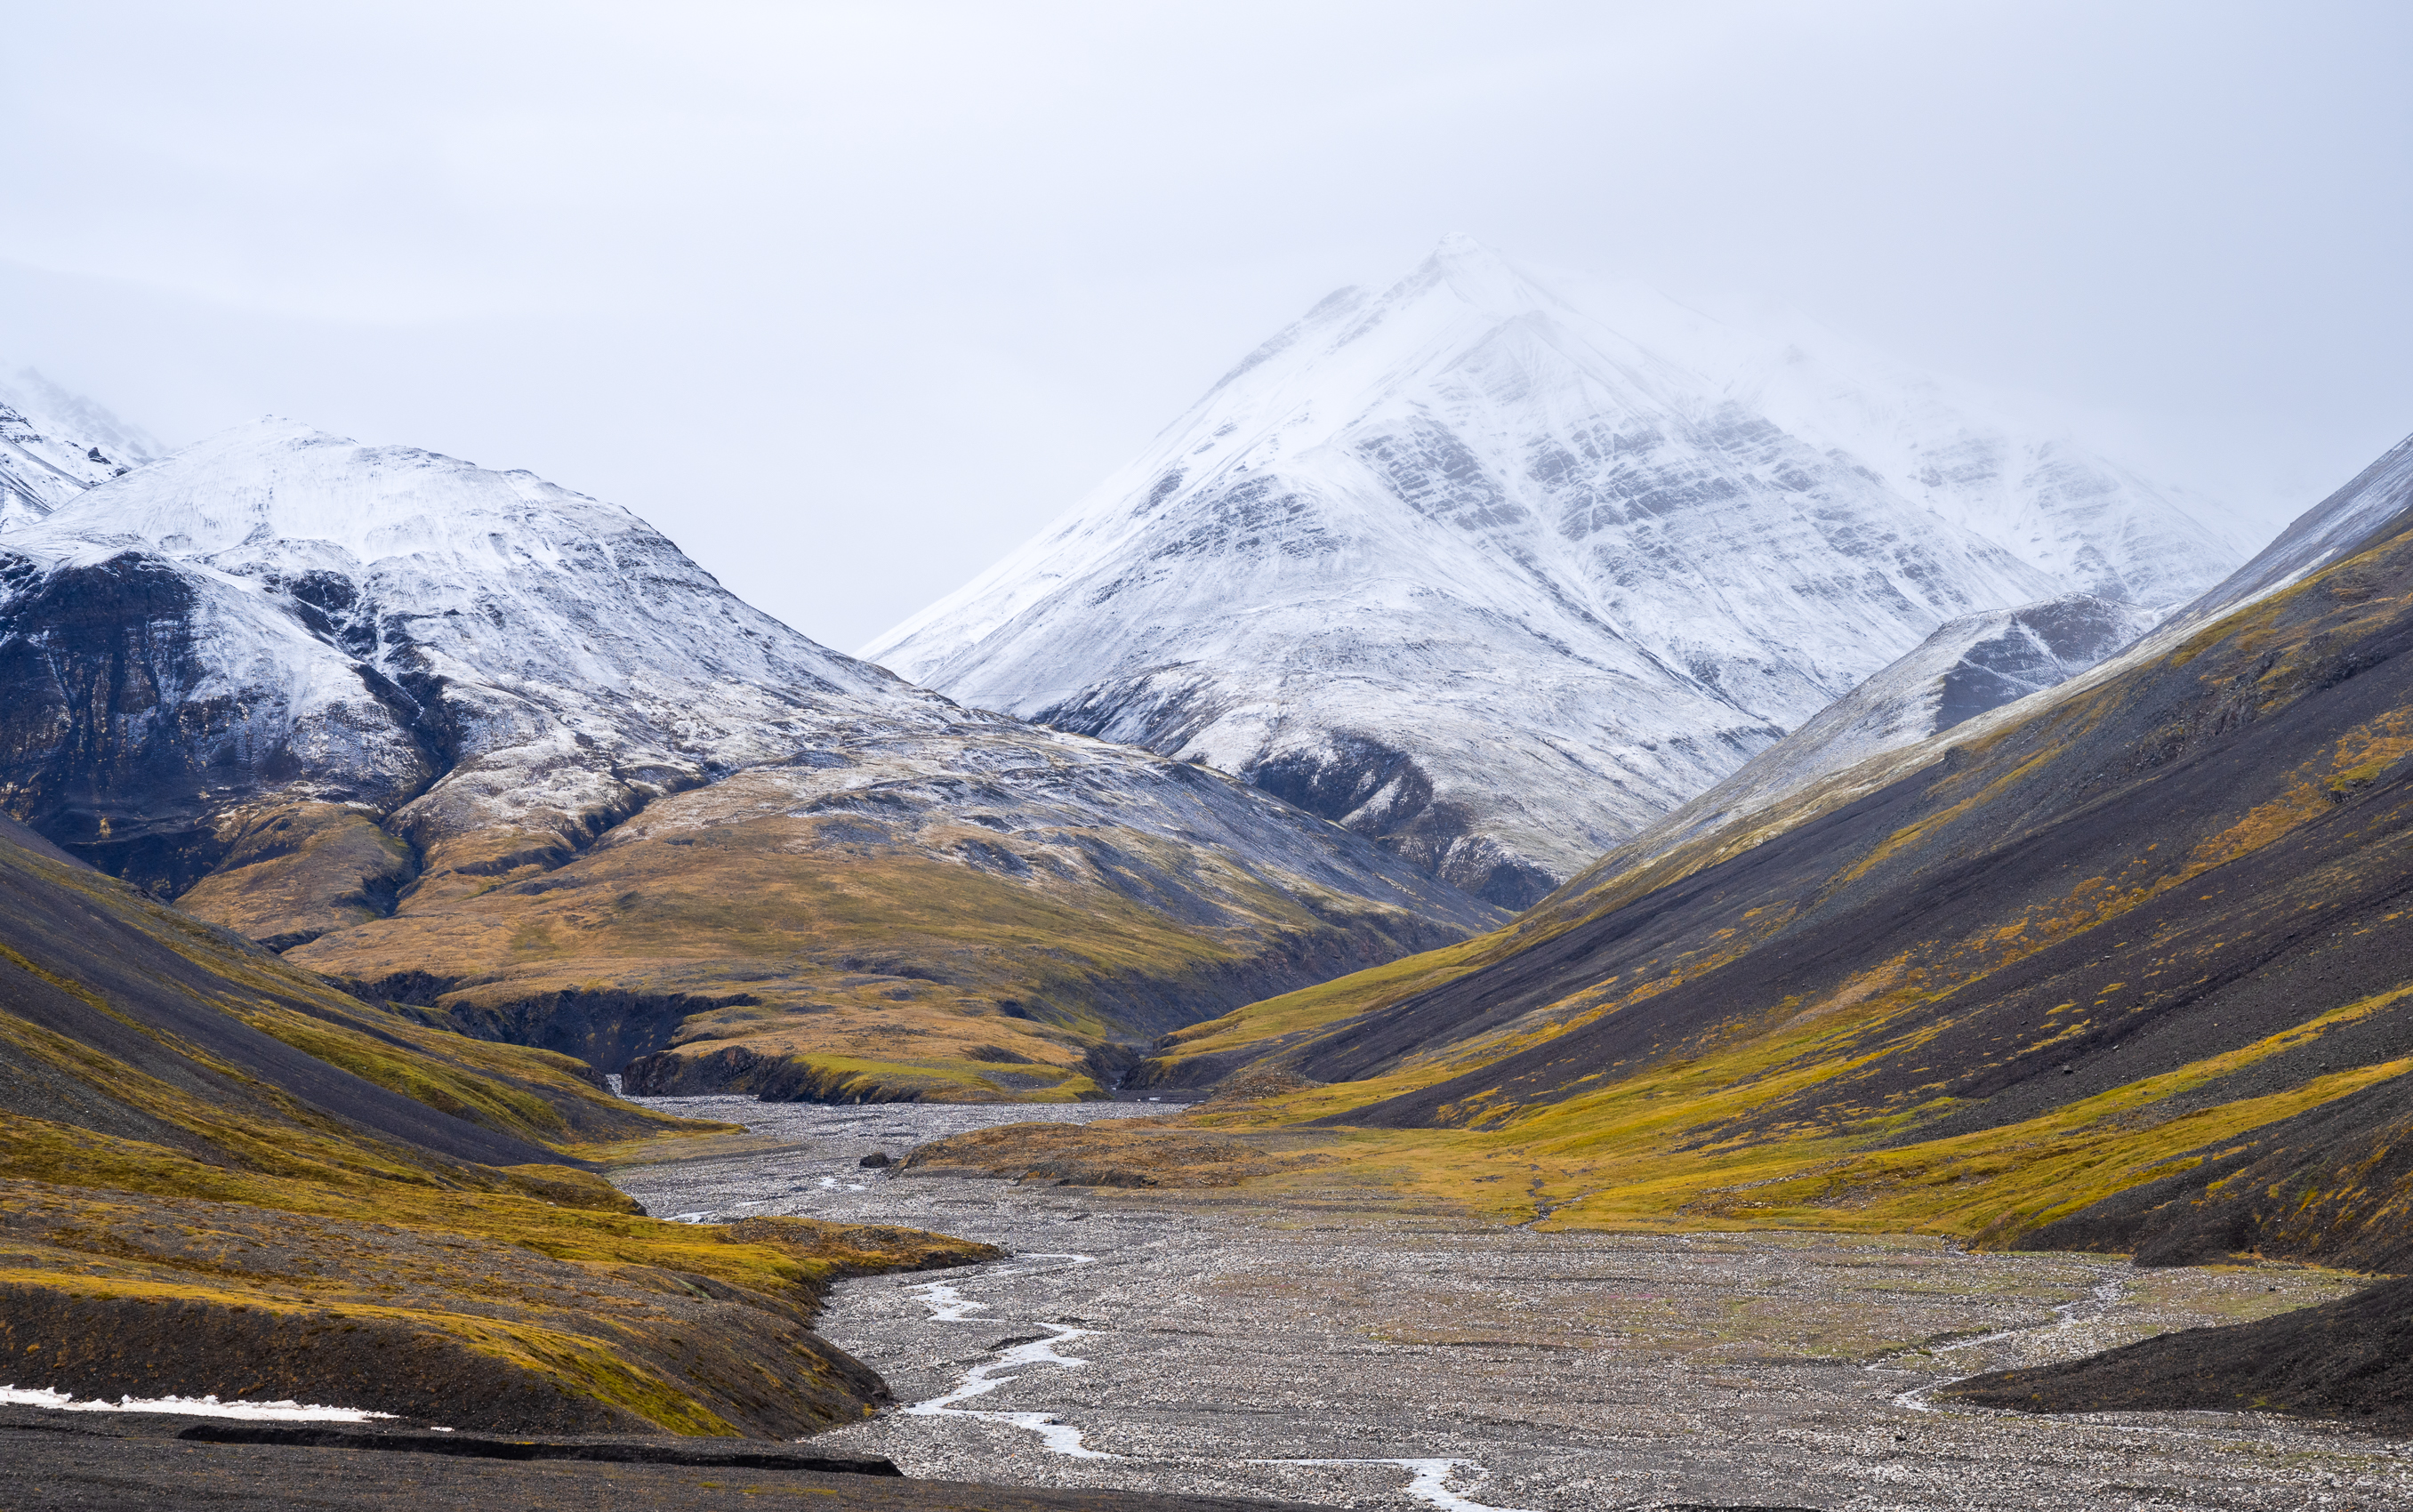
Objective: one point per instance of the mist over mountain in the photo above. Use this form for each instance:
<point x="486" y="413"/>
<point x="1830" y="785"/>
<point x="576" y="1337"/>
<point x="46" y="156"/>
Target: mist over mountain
<point x="54" y="445"/>
<point x="1496" y="578"/>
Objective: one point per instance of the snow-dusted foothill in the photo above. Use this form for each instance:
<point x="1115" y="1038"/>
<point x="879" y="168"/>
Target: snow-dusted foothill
<point x="1498" y="577"/>
<point x="54" y="444"/>
<point x="1969" y="667"/>
<point x="370" y="702"/>
<point x="391" y="629"/>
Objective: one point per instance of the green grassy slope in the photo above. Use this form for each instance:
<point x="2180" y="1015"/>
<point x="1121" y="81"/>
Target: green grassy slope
<point x="218" y="1173"/>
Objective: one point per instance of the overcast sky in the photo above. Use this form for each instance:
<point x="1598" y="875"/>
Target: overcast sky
<point x="850" y="300"/>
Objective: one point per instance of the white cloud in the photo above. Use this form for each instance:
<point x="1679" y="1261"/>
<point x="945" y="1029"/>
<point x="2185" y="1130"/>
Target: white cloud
<point x="851" y="297"/>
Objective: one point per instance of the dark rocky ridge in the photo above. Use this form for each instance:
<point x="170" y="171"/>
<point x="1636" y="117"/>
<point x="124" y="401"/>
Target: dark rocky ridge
<point x="140" y="1463"/>
<point x="2041" y="647"/>
<point x="108" y="747"/>
<point x="1358" y="781"/>
<point x="2350" y="1360"/>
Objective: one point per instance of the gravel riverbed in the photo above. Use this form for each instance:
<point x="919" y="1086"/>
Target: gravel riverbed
<point x="1343" y="1350"/>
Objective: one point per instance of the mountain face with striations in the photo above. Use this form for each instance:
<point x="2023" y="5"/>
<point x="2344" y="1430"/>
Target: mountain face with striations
<point x="1497" y="578"/>
<point x="54" y="445"/>
<point x="1970" y="666"/>
<point x="469" y="740"/>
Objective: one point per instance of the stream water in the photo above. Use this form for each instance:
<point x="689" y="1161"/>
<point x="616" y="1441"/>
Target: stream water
<point x="1344" y="1351"/>
<point x="1428" y="1479"/>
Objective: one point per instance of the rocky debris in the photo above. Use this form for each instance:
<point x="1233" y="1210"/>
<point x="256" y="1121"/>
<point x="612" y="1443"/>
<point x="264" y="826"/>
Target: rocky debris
<point x="1255" y="1085"/>
<point x="1373" y="1322"/>
<point x="860" y="1248"/>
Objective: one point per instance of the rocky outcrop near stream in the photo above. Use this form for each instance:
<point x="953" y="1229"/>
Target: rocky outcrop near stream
<point x="2349" y="1360"/>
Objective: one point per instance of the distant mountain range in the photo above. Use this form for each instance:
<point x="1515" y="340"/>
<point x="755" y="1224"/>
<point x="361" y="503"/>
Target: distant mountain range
<point x="1498" y="576"/>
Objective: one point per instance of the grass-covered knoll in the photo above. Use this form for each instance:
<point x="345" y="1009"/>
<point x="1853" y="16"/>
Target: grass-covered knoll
<point x="290" y="871"/>
<point x="502" y="1312"/>
<point x="1206" y="1053"/>
<point x="766" y="935"/>
<point x="218" y="1173"/>
<point x="2125" y="963"/>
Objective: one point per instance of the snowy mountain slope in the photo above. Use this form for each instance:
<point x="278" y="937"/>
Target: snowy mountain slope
<point x="1970" y="667"/>
<point x="54" y="445"/>
<point x="2354" y="519"/>
<point x="349" y="620"/>
<point x="2094" y="526"/>
<point x="1488" y="579"/>
<point x="376" y="698"/>
<point x="2077" y="516"/>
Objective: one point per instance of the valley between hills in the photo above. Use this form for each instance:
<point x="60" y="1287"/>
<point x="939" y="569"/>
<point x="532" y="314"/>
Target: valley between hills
<point x="1504" y="921"/>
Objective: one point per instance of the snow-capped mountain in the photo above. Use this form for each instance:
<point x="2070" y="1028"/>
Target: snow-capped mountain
<point x="349" y="623"/>
<point x="2093" y="526"/>
<point x="54" y="445"/>
<point x="1497" y="579"/>
<point x="376" y="706"/>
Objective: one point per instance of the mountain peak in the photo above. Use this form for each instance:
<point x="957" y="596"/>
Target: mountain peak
<point x="1470" y="569"/>
<point x="1479" y="276"/>
<point x="279" y="480"/>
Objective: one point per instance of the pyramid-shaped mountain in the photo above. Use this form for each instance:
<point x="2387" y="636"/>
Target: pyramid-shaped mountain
<point x="1497" y="580"/>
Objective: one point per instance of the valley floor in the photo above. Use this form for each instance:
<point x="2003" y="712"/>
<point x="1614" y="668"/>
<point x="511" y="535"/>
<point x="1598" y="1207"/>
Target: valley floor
<point x="1345" y="1346"/>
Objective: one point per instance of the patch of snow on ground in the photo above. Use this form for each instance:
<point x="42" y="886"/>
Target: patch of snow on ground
<point x="272" y="1412"/>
